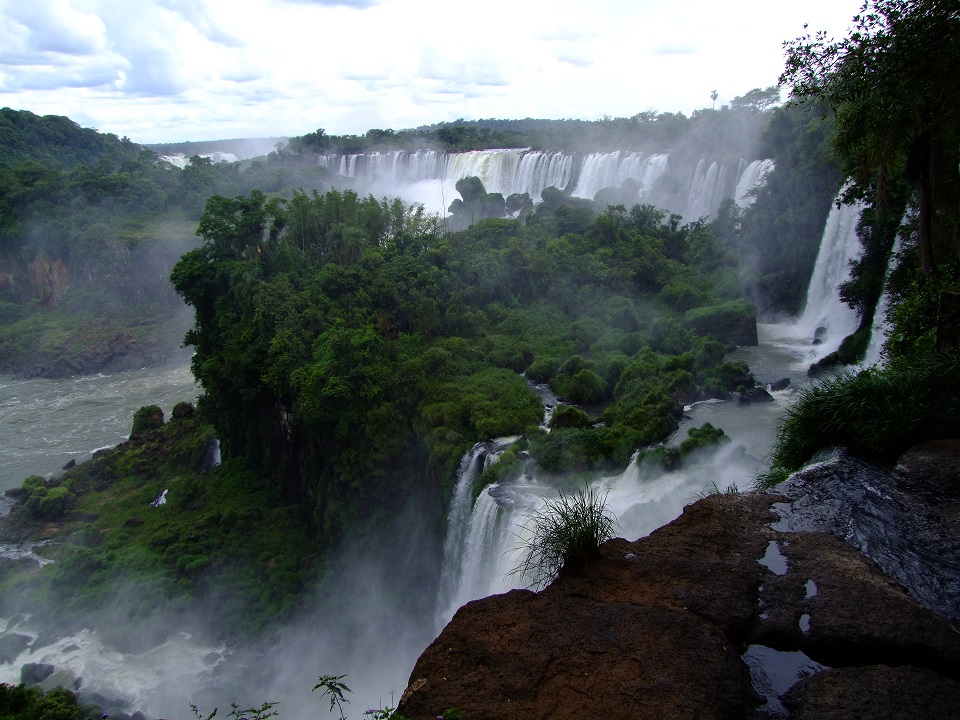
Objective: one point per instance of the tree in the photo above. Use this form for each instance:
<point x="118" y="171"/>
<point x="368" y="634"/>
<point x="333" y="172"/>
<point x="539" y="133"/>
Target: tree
<point x="894" y="86"/>
<point x="759" y="98"/>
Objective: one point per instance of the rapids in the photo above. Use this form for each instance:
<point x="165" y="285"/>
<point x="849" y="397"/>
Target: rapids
<point x="47" y="423"/>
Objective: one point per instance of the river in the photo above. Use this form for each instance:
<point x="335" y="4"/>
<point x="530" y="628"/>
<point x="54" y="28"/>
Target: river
<point x="46" y="423"/>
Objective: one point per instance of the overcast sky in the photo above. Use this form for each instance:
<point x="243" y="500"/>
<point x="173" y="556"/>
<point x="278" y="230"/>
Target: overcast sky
<point x="168" y="70"/>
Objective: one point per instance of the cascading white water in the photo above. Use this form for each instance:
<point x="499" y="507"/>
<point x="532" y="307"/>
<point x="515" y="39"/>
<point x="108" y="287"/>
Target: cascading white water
<point x="751" y="179"/>
<point x="181" y="161"/>
<point x="640" y="498"/>
<point x="880" y="328"/>
<point x="604" y="170"/>
<point x="703" y="189"/>
<point x="429" y="177"/>
<point x="159" y="678"/>
<point x="643" y="499"/>
<point x="826" y="320"/>
<point x="457" y="519"/>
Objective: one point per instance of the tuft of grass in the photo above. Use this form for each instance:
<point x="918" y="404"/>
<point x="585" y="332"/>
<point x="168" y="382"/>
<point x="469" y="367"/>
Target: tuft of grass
<point x="565" y="533"/>
<point x="714" y="489"/>
<point x="881" y="412"/>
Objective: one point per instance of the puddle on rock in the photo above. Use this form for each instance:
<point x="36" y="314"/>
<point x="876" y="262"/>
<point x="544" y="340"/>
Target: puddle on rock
<point x="773" y="672"/>
<point x="773" y="559"/>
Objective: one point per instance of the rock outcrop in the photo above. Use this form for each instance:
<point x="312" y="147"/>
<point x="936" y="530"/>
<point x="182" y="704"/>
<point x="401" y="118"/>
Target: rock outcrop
<point x="836" y="596"/>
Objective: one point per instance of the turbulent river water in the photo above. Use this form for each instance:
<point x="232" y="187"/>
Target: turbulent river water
<point x="46" y="423"/>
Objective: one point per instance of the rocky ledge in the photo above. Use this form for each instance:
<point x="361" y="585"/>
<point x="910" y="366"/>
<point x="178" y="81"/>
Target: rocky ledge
<point x="837" y="596"/>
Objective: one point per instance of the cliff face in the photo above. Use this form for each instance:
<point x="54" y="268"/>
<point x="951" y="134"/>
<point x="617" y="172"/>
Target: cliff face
<point x="750" y="605"/>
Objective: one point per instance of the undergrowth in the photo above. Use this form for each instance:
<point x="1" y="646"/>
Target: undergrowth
<point x="880" y="411"/>
<point x="565" y="533"/>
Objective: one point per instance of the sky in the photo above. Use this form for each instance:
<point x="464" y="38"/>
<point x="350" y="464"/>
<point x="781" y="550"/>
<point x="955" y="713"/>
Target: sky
<point x="175" y="70"/>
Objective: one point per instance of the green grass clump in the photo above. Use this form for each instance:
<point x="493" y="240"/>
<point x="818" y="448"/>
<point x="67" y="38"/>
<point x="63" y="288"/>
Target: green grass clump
<point x="565" y="533"/>
<point x="877" y="411"/>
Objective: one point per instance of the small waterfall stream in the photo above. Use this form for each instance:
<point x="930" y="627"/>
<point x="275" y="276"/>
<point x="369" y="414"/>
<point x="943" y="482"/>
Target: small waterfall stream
<point x="880" y="328"/>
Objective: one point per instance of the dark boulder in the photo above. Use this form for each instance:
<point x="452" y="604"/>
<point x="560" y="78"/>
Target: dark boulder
<point x="11" y="645"/>
<point x="756" y="394"/>
<point x="35" y="673"/>
<point x="781" y="384"/>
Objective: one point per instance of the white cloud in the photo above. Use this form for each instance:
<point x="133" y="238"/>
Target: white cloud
<point x="194" y="69"/>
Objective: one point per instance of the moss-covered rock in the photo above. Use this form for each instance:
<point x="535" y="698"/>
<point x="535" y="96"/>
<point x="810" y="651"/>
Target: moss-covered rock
<point x="146" y="419"/>
<point x="734" y="321"/>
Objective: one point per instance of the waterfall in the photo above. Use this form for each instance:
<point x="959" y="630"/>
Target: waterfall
<point x="881" y="327"/>
<point x="751" y="179"/>
<point x="825" y="317"/>
<point x="181" y="161"/>
<point x="603" y="170"/>
<point x="429" y="177"/>
<point x="456" y="546"/>
<point x="490" y="543"/>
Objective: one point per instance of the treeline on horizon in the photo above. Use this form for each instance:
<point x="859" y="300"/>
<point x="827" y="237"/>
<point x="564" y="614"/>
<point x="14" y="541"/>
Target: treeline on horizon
<point x="738" y="123"/>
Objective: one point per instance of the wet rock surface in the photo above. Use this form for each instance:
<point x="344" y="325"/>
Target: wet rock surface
<point x="845" y="576"/>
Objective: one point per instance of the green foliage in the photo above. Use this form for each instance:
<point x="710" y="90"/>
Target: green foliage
<point x="703" y="436"/>
<point x="146" y="419"/>
<point x="333" y="688"/>
<point x="586" y="387"/>
<point x="351" y="377"/>
<point x="55" y="503"/>
<point x="221" y="538"/>
<point x="892" y="123"/>
<point x="670" y="457"/>
<point x="778" y="236"/>
<point x="266" y="710"/>
<point x="18" y="702"/>
<point x="714" y="489"/>
<point x="878" y="411"/>
<point x="734" y="321"/>
<point x="542" y="370"/>
<point x="850" y="352"/>
<point x="565" y="534"/>
<point x="913" y="316"/>
<point x="567" y="416"/>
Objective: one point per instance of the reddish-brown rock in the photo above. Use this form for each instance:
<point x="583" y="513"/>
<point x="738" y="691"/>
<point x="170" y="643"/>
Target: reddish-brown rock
<point x="658" y="628"/>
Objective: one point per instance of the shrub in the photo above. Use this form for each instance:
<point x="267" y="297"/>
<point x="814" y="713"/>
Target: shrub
<point x="567" y="416"/>
<point x="564" y="534"/>
<point x="587" y="387"/>
<point x="541" y="370"/>
<point x="681" y="296"/>
<point x="709" y="353"/>
<point x="703" y="436"/>
<point x="146" y="419"/>
<point x="55" y="503"/>
<point x="734" y="321"/>
<point x="879" y="411"/>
